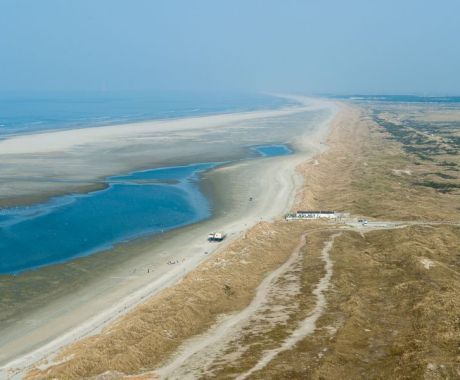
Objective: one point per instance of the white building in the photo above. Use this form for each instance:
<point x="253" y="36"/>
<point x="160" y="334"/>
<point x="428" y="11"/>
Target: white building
<point x="312" y="215"/>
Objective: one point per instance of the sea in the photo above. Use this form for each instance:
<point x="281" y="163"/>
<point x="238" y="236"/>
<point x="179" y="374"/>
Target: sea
<point x="132" y="205"/>
<point x="31" y="112"/>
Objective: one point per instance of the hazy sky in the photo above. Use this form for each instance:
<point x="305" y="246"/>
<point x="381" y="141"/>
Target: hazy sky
<point x="313" y="46"/>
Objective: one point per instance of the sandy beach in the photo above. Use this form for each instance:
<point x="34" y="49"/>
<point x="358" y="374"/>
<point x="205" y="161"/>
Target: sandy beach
<point x="144" y="270"/>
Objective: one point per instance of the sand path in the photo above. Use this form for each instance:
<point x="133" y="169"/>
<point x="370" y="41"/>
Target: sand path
<point x="226" y="327"/>
<point x="308" y="325"/>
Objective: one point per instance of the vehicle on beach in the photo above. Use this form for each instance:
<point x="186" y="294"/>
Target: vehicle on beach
<point x="216" y="236"/>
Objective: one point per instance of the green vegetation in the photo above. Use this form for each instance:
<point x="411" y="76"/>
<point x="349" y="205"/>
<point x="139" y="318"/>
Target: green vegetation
<point x="447" y="163"/>
<point x="445" y="176"/>
<point x="443" y="187"/>
<point x="430" y="142"/>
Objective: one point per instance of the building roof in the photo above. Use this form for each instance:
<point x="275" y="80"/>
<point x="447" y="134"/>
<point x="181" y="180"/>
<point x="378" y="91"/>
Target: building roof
<point x="315" y="212"/>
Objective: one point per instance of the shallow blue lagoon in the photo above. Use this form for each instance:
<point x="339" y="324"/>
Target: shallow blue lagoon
<point x="137" y="204"/>
<point x="134" y="205"/>
<point x="273" y="150"/>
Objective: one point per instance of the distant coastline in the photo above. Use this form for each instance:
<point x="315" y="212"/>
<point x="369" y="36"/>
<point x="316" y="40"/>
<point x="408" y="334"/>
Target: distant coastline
<point x="23" y="113"/>
<point x="400" y="98"/>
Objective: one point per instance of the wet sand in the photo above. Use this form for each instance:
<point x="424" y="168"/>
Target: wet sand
<point x="108" y="284"/>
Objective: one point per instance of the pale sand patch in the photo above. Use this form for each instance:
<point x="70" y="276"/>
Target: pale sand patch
<point x="427" y="263"/>
<point x="401" y="171"/>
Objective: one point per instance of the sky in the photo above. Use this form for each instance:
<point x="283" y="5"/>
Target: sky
<point x="308" y="46"/>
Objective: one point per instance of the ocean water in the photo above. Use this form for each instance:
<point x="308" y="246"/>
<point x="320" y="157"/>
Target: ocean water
<point x="138" y="204"/>
<point x="30" y="112"/>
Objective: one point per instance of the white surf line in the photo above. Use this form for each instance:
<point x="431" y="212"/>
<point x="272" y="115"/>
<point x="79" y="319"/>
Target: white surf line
<point x="308" y="325"/>
<point x="213" y="336"/>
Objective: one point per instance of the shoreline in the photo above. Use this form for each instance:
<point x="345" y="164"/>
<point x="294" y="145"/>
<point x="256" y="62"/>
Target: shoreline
<point x="96" y="123"/>
<point x="190" y="185"/>
<point x="235" y="225"/>
<point x="58" y="140"/>
<point x="193" y="181"/>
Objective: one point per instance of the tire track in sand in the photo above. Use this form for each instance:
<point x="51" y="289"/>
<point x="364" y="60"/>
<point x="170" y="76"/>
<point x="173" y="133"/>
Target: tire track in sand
<point x="308" y="325"/>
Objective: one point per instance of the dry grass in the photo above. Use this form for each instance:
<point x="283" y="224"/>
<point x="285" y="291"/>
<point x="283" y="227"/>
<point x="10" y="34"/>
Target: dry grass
<point x="361" y="174"/>
<point x="388" y="316"/>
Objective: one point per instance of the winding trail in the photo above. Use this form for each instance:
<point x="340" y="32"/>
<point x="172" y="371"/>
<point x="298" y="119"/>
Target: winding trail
<point x="308" y="325"/>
